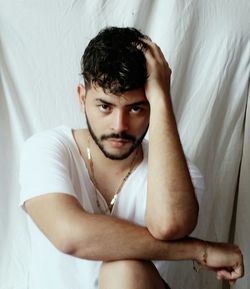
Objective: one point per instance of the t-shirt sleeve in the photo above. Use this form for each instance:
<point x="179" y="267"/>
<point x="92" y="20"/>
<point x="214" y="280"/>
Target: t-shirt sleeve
<point x="197" y="180"/>
<point x="44" y="167"/>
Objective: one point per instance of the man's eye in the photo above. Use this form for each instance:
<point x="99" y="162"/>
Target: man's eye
<point x="136" y="109"/>
<point x="104" y="108"/>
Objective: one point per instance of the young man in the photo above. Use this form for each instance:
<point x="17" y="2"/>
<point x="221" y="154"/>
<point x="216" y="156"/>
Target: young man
<point x="103" y="201"/>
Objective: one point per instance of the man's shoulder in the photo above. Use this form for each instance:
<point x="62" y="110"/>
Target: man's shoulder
<point x="51" y="139"/>
<point x="56" y="133"/>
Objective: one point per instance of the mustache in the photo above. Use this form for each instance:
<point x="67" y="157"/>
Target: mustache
<point x="122" y="136"/>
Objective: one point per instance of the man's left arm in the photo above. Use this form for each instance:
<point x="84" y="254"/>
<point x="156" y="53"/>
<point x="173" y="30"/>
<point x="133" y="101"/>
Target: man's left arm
<point x="172" y="208"/>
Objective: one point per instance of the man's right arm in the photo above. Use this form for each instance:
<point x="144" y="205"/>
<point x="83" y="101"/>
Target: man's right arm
<point x="99" y="237"/>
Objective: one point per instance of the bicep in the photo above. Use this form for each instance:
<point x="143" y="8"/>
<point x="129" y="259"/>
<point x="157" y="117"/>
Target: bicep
<point x="55" y="214"/>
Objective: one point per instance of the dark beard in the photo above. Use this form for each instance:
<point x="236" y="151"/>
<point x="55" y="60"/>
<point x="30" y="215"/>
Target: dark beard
<point x="123" y="136"/>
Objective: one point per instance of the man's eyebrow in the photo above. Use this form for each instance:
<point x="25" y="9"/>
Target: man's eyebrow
<point x="103" y="101"/>
<point x="141" y="102"/>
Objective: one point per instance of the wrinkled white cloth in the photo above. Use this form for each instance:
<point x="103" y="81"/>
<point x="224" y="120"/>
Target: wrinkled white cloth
<point x="207" y="45"/>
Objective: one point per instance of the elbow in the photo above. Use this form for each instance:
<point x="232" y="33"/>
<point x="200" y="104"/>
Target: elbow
<point x="74" y="248"/>
<point x="77" y="246"/>
<point x="62" y="242"/>
<point x="163" y="233"/>
<point x="170" y="232"/>
<point x="71" y="244"/>
<point x="75" y="239"/>
<point x="66" y="246"/>
<point x="173" y="228"/>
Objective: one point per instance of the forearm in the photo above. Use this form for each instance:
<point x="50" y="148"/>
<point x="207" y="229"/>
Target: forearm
<point x="172" y="208"/>
<point x="171" y="198"/>
<point x="107" y="238"/>
<point x="99" y="237"/>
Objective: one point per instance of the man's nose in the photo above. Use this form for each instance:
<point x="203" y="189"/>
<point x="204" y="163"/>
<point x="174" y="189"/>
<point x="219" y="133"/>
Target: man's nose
<point x="120" y="121"/>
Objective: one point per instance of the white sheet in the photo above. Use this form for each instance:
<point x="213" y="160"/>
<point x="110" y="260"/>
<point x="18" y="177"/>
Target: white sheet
<point x="208" y="47"/>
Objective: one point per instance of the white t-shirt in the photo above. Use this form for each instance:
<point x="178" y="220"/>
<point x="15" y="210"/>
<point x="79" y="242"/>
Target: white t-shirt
<point x="50" y="162"/>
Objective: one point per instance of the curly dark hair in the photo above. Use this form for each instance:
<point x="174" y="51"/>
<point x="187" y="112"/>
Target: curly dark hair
<point x="115" y="61"/>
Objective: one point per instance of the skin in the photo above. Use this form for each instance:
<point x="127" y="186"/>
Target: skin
<point x="114" y="115"/>
<point x="166" y="163"/>
<point x="101" y="237"/>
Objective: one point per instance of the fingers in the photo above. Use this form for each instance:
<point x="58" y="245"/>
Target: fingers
<point x="156" y="61"/>
<point x="154" y="52"/>
<point x="231" y="282"/>
<point x="231" y="276"/>
<point x="159" y="73"/>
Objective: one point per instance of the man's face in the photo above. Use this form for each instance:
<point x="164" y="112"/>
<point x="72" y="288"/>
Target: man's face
<point x="117" y="124"/>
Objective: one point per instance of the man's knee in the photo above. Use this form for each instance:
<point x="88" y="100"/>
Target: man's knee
<point x="129" y="274"/>
<point x="126" y="267"/>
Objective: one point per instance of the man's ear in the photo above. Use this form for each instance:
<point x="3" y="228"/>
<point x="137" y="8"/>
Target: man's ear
<point x="81" y="91"/>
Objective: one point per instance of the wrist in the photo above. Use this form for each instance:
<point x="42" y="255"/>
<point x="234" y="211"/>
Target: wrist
<point x="200" y="259"/>
<point x="201" y="253"/>
<point x="194" y="249"/>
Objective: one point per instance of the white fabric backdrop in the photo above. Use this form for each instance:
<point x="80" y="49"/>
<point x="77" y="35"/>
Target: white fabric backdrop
<point x="207" y="44"/>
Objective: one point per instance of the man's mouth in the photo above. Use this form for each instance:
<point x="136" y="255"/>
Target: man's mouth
<point x="118" y="142"/>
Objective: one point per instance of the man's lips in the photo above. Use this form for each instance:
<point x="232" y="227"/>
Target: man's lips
<point x="118" y="142"/>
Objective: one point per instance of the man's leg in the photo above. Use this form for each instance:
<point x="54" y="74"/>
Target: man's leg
<point x="130" y="274"/>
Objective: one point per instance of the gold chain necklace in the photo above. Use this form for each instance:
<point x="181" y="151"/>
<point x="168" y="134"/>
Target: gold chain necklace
<point x="91" y="165"/>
